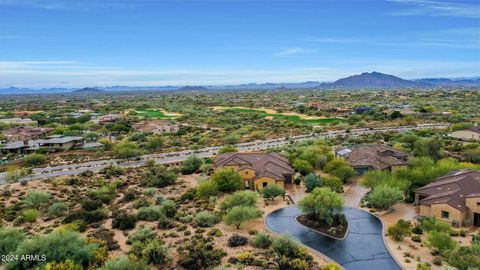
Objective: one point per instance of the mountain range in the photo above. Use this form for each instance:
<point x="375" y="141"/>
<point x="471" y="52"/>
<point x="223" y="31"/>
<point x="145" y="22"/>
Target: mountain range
<point x="366" y="80"/>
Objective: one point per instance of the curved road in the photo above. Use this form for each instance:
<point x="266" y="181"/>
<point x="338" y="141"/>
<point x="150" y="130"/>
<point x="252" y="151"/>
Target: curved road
<point x="362" y="249"/>
<point x="179" y="156"/>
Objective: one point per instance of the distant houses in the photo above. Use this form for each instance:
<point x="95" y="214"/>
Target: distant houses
<point x="258" y="169"/>
<point x="51" y="144"/>
<point x="156" y="127"/>
<point x="454" y="198"/>
<point x="18" y="121"/>
<point x="25" y="133"/>
<point x="365" y="157"/>
<point x="472" y="133"/>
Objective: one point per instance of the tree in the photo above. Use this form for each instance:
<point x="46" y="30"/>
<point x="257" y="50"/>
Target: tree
<point x="227" y="180"/>
<point x="302" y="166"/>
<point x="341" y="169"/>
<point x="383" y="197"/>
<point x="312" y="181"/>
<point x="440" y="242"/>
<point x="322" y="204"/>
<point x="191" y="164"/>
<point x="239" y="214"/>
<point x="271" y="191"/>
<point x="228" y="149"/>
<point x="34" y="160"/>
<point x="400" y="230"/>
<point x="432" y="147"/>
<point x="239" y="198"/>
<point x="126" y="149"/>
<point x="155" y="143"/>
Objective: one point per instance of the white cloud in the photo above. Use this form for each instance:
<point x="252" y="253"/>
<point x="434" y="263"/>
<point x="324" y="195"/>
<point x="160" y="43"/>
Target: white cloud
<point x="293" y="51"/>
<point x="438" y="8"/>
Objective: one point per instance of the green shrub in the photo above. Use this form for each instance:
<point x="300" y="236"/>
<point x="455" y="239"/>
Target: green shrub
<point x="149" y="213"/>
<point x="312" y="181"/>
<point x="191" y="165"/>
<point x="239" y="214"/>
<point x="334" y="183"/>
<point x="440" y="242"/>
<point x="400" y="230"/>
<point x="36" y="198"/>
<point x="207" y="189"/>
<point x="237" y="240"/>
<point x="149" y="192"/>
<point x="30" y="215"/>
<point x="289" y="255"/>
<point x="10" y="238"/>
<point x="206" y="219"/>
<point x="105" y="193"/>
<point x="169" y="208"/>
<point x="383" y="197"/>
<point x="57" y="209"/>
<point x="57" y="246"/>
<point x="262" y="240"/>
<point x="227" y="180"/>
<point x="141" y="235"/>
<point x="239" y="198"/>
<point x="124" y="263"/>
<point x="198" y="254"/>
<point x="123" y="220"/>
<point x="271" y="191"/>
<point x="34" y="160"/>
<point x="152" y="251"/>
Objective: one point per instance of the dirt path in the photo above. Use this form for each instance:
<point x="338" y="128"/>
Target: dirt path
<point x="353" y="194"/>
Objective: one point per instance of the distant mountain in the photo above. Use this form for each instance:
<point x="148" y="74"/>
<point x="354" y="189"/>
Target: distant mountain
<point x="192" y="88"/>
<point x="465" y="82"/>
<point x="88" y="90"/>
<point x="374" y="80"/>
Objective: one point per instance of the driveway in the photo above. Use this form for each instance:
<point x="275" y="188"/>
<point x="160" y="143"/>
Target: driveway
<point x="362" y="249"/>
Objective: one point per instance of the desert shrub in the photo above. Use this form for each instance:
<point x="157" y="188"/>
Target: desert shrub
<point x="169" y="208"/>
<point x="423" y="266"/>
<point x="383" y="197"/>
<point x="416" y="238"/>
<point x="112" y="170"/>
<point x="10" y="238"/>
<point x="165" y="223"/>
<point x="91" y="204"/>
<point x="198" y="254"/>
<point x="30" y="215"/>
<point x="271" y="191"/>
<point x="302" y="166"/>
<point x="125" y="263"/>
<point x="72" y="181"/>
<point x="341" y="169"/>
<point x="34" y="160"/>
<point x="440" y="242"/>
<point x="191" y="165"/>
<point x="158" y="199"/>
<point x="141" y="235"/>
<point x="465" y="257"/>
<point x="149" y="213"/>
<point x="57" y="246"/>
<point x="149" y="192"/>
<point x="65" y="265"/>
<point x="330" y="266"/>
<point x="142" y="202"/>
<point x="206" y="219"/>
<point x="237" y="240"/>
<point x="207" y="189"/>
<point x="57" y="209"/>
<point x="188" y="195"/>
<point x="261" y="240"/>
<point x="400" y="230"/>
<point x="36" y="198"/>
<point x="129" y="195"/>
<point x="227" y="180"/>
<point x="334" y="183"/>
<point x="289" y="255"/>
<point x="105" y="193"/>
<point x="417" y="229"/>
<point x="123" y="220"/>
<point x="312" y="181"/>
<point x="158" y="176"/>
<point x="152" y="251"/>
<point x="239" y="198"/>
<point x="433" y="224"/>
<point x="126" y="149"/>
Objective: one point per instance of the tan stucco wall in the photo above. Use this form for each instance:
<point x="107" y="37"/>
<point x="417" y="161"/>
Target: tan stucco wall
<point x="259" y="182"/>
<point x="472" y="204"/>
<point x="425" y="210"/>
<point x="465" y="135"/>
<point x="454" y="214"/>
<point x="247" y="173"/>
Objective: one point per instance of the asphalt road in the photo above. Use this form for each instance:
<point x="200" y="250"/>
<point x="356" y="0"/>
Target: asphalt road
<point x="178" y="156"/>
<point x="362" y="249"/>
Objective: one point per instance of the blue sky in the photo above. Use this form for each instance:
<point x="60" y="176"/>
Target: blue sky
<point x="76" y="43"/>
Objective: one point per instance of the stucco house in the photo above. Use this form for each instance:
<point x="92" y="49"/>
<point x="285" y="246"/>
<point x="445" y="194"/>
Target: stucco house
<point x="472" y="133"/>
<point x="258" y="169"/>
<point x="454" y="198"/>
<point x="156" y="127"/>
<point x="365" y="157"/>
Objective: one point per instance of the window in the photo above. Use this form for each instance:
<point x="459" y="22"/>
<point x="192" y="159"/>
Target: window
<point x="445" y="214"/>
<point x="265" y="184"/>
